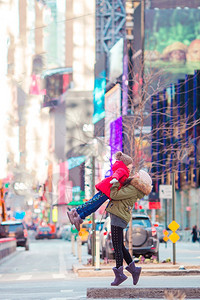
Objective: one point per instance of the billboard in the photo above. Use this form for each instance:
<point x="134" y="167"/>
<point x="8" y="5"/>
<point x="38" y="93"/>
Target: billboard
<point x="56" y="83"/>
<point x="116" y="60"/>
<point x="116" y="136"/>
<point x="112" y="109"/>
<point x="99" y="89"/>
<point x="172" y="42"/>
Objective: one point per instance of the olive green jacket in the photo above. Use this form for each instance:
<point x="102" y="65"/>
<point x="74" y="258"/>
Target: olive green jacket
<point x="123" y="200"/>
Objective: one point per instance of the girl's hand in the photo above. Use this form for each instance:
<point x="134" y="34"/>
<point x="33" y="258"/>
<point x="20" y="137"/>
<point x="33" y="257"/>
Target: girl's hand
<point x="114" y="180"/>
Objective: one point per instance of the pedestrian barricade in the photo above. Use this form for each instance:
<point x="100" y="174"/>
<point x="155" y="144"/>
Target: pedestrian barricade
<point x="7" y="246"/>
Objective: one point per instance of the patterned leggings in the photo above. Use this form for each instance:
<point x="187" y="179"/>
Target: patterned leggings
<point x="92" y="205"/>
<point x="118" y="244"/>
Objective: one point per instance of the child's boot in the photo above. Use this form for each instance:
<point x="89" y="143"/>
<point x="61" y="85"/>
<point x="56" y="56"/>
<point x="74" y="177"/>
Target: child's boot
<point x="71" y="215"/>
<point x="77" y="222"/>
<point x="135" y="272"/>
<point x="119" y="276"/>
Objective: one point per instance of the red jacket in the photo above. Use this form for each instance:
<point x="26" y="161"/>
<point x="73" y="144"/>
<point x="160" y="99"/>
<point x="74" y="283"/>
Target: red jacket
<point x="120" y="172"/>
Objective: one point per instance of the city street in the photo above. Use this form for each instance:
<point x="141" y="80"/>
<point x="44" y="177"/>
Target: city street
<point x="45" y="272"/>
<point x="100" y="130"/>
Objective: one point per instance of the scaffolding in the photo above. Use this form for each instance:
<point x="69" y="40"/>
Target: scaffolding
<point x="110" y="24"/>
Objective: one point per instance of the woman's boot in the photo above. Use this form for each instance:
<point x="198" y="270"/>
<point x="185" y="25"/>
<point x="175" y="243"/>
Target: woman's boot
<point x="135" y="272"/>
<point x="119" y="276"/>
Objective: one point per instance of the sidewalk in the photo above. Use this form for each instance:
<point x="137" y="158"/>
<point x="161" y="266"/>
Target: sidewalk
<point x="155" y="278"/>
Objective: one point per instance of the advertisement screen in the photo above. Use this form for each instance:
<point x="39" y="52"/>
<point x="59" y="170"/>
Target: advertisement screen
<point x="112" y="109"/>
<point x="98" y="97"/>
<point x="116" y="60"/>
<point x="172" y="42"/>
<point x="116" y="130"/>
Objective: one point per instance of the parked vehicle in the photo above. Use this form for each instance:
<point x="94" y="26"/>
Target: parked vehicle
<point x="160" y="228"/>
<point x="98" y="226"/>
<point x="18" y="230"/>
<point x="106" y="246"/>
<point x="144" y="236"/>
<point x="84" y="232"/>
<point x="43" y="232"/>
<point x="66" y="232"/>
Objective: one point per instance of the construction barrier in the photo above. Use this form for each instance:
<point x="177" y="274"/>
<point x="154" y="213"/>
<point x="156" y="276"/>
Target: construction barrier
<point x="7" y="246"/>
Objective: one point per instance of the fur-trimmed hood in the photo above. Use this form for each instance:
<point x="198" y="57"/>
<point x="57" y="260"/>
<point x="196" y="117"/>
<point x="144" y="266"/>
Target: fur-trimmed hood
<point x="141" y="186"/>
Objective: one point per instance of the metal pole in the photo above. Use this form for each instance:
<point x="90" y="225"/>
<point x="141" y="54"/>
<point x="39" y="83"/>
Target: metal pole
<point x="79" y="248"/>
<point x="142" y="38"/>
<point x="173" y="213"/>
<point x="93" y="215"/>
<point x="130" y="234"/>
<point x="73" y="244"/>
<point x="97" y="251"/>
<point x="166" y="219"/>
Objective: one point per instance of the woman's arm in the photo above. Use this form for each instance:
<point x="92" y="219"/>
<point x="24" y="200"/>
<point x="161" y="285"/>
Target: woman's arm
<point x="124" y="193"/>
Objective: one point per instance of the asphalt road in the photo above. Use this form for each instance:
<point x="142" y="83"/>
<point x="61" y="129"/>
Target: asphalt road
<point x="44" y="272"/>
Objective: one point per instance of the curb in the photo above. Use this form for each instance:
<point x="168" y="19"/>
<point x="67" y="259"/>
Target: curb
<point x="156" y="293"/>
<point x="105" y="271"/>
<point x="109" y="273"/>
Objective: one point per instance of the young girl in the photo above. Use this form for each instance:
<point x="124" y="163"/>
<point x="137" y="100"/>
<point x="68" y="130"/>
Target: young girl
<point x="120" y="209"/>
<point x="121" y="170"/>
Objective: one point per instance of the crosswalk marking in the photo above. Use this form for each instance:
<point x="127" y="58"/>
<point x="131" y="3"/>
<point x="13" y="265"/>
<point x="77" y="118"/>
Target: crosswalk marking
<point x="66" y="291"/>
<point x="36" y="276"/>
<point x="57" y="276"/>
<point x="68" y="298"/>
<point x="24" y="277"/>
<point x="59" y="298"/>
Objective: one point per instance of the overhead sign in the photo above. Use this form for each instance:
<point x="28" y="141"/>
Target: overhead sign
<point x="165" y="191"/>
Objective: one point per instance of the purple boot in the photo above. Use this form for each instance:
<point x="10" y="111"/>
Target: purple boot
<point x="135" y="272"/>
<point x="119" y="276"/>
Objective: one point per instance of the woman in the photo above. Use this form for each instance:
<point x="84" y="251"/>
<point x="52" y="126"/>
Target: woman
<point x="120" y="209"/>
<point x="121" y="170"/>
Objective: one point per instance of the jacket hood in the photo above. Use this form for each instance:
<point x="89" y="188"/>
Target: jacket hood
<point x="141" y="186"/>
<point x="119" y="164"/>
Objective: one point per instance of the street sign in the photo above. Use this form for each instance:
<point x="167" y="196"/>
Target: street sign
<point x="174" y="237"/>
<point x="165" y="191"/>
<point x="165" y="235"/>
<point x="173" y="226"/>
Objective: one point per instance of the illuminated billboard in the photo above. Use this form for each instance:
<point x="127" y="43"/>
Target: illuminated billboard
<point x="56" y="83"/>
<point x="116" y="137"/>
<point x="98" y="97"/>
<point x="172" y="42"/>
<point x="116" y="60"/>
<point x="99" y="89"/>
<point x="112" y="109"/>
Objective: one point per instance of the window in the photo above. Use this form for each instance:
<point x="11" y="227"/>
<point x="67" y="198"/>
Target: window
<point x="141" y="222"/>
